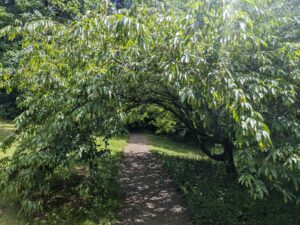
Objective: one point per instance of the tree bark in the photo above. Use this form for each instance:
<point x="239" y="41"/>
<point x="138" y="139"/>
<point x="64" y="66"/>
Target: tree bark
<point x="46" y="3"/>
<point x="216" y="157"/>
<point x="228" y="159"/>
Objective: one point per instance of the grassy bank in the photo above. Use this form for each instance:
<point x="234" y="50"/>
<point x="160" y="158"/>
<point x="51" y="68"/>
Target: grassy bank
<point x="210" y="197"/>
<point x="69" y="204"/>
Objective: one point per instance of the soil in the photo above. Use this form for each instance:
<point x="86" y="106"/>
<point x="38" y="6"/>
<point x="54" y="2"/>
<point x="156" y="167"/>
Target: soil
<point x="151" y="196"/>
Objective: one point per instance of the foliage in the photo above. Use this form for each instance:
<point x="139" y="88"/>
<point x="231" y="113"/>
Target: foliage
<point x="92" y="200"/>
<point x="152" y="117"/>
<point x="224" y="70"/>
<point x="17" y="13"/>
<point x="73" y="200"/>
<point x="210" y="198"/>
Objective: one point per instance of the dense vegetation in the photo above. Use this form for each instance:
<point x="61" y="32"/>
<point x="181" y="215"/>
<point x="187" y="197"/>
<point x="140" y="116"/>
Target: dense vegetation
<point x="211" y="199"/>
<point x="224" y="73"/>
<point x="69" y="201"/>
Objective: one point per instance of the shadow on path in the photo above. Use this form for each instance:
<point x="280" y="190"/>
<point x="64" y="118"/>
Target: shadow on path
<point x="151" y="197"/>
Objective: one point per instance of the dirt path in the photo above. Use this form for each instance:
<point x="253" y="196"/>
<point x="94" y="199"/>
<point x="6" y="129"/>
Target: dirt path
<point x="151" y="196"/>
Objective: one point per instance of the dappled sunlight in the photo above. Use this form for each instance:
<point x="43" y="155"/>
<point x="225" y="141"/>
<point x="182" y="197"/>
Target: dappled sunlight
<point x="151" y="197"/>
<point x="6" y="128"/>
<point x="212" y="198"/>
<point x="217" y="82"/>
<point x="176" y="148"/>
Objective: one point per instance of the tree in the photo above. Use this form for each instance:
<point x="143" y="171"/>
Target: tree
<point x="222" y="69"/>
<point x="17" y="13"/>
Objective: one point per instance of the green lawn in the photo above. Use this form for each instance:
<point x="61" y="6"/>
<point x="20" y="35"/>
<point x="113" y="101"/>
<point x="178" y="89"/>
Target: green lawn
<point x="210" y="197"/>
<point x="73" y="211"/>
<point x="6" y="129"/>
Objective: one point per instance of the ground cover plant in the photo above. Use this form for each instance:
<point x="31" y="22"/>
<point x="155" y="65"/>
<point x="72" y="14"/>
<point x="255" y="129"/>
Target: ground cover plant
<point x="210" y="198"/>
<point x="224" y="73"/>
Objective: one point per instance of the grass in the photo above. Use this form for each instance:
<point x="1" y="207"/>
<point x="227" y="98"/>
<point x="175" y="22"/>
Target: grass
<point x="210" y="197"/>
<point x="76" y="208"/>
<point x="8" y="205"/>
<point x="6" y="129"/>
<point x="9" y="212"/>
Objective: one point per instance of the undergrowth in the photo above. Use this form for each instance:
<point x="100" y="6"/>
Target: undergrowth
<point x="77" y="197"/>
<point x="211" y="197"/>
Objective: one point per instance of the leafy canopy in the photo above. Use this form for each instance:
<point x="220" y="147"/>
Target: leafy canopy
<point x="227" y="70"/>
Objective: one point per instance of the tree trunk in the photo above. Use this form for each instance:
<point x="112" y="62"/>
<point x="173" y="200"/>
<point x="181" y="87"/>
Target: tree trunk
<point x="226" y="156"/>
<point x="46" y="3"/>
<point x="228" y="159"/>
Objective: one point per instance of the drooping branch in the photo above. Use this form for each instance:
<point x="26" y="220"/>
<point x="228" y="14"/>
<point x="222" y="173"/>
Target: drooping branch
<point x="216" y="157"/>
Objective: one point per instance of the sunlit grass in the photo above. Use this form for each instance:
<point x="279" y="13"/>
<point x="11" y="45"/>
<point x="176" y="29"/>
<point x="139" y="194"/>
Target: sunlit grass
<point x="6" y="128"/>
<point x="175" y="147"/>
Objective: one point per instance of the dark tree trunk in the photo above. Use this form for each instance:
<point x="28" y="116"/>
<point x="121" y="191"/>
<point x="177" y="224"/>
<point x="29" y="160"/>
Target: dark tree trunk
<point x="46" y="3"/>
<point x="8" y="2"/>
<point x="228" y="158"/>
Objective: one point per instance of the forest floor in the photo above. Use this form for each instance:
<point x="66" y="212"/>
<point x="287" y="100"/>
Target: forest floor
<point x="151" y="196"/>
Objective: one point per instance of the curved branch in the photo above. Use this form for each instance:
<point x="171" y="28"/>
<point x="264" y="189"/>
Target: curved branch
<point x="216" y="157"/>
